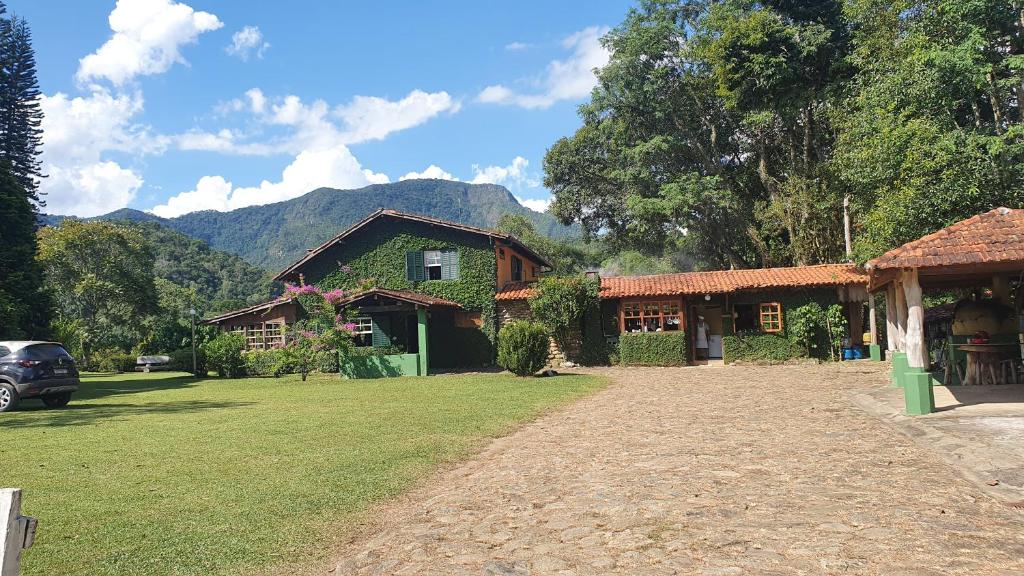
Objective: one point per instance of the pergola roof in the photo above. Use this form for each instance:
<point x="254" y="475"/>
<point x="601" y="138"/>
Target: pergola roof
<point x="979" y="246"/>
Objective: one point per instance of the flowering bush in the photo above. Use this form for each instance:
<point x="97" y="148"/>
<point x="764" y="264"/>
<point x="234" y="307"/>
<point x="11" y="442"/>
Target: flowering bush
<point x="326" y="328"/>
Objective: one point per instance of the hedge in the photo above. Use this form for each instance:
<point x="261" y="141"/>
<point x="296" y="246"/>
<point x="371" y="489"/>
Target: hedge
<point x="760" y="349"/>
<point x="654" y="348"/>
<point x="181" y="361"/>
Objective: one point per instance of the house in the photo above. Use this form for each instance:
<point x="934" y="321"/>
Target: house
<point x="429" y="275"/>
<point x="443" y="290"/>
<point x="733" y="303"/>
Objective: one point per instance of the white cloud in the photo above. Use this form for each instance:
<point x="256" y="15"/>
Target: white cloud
<point x="516" y="46"/>
<point x="513" y="174"/>
<point x="569" y="79"/>
<point x="335" y="167"/>
<point x="89" y="189"/>
<point x="432" y="171"/>
<point x="148" y="35"/>
<point x="316" y="126"/>
<point x="535" y="204"/>
<point x="373" y="118"/>
<point x="76" y="133"/>
<point x="247" y="42"/>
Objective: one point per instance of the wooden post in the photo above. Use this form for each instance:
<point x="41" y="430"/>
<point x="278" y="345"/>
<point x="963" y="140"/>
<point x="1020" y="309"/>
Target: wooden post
<point x="16" y="531"/>
<point x="421" y="325"/>
<point x="1001" y="289"/>
<point x="872" y="319"/>
<point x="901" y="318"/>
<point x="917" y="351"/>
<point x="891" y="332"/>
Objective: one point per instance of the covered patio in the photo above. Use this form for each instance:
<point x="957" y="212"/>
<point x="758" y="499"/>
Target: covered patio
<point x="983" y="255"/>
<point x="397" y="322"/>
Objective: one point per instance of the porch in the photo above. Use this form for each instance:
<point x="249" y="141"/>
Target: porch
<point x="392" y="332"/>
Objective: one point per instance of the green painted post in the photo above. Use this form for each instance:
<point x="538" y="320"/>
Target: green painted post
<point x="876" y="352"/>
<point x="421" y="322"/>
<point x="918" y="396"/>
<point x="899" y="366"/>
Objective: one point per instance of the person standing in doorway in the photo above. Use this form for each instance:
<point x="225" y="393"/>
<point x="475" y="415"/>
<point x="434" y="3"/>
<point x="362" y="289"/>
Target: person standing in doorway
<point x="701" y="339"/>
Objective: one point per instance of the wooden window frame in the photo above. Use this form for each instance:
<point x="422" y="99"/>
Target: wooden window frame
<point x="512" y="268"/>
<point x="770" y="320"/>
<point x="656" y="306"/>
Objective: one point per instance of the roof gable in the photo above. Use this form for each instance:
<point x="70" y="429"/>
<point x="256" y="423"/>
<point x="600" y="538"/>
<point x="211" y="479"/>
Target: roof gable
<point x="292" y="271"/>
<point x="997" y="236"/>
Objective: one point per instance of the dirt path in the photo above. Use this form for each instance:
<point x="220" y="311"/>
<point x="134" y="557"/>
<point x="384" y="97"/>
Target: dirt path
<point x="699" y="471"/>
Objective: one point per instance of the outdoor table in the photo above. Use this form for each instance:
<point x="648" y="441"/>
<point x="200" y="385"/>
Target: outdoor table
<point x="981" y="357"/>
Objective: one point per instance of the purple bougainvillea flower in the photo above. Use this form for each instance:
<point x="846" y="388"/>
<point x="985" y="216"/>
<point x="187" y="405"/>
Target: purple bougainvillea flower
<point x="349" y="326"/>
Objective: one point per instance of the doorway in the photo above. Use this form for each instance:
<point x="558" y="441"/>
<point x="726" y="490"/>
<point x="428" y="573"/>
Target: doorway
<point x="713" y="318"/>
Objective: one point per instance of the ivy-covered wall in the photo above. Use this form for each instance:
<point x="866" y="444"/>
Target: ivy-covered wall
<point x="774" y="348"/>
<point x="378" y="251"/>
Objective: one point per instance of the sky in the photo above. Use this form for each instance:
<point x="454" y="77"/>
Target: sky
<point x="176" y="106"/>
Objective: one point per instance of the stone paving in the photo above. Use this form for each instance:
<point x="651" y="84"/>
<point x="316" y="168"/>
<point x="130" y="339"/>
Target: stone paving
<point x="701" y="470"/>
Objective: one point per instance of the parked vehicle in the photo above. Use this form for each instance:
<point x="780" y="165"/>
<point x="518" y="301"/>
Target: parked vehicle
<point x="41" y="370"/>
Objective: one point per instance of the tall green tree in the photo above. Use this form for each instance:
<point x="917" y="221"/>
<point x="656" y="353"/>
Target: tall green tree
<point x="709" y="130"/>
<point x="24" y="306"/>
<point x="20" y="104"/>
<point x="933" y="130"/>
<point x="101" y="274"/>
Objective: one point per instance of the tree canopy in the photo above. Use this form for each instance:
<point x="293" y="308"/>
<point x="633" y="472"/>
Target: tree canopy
<point x="734" y="131"/>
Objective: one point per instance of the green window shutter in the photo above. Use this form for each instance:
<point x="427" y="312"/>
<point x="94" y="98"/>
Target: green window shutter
<point x="381" y="331"/>
<point x="414" y="271"/>
<point x="450" y="265"/>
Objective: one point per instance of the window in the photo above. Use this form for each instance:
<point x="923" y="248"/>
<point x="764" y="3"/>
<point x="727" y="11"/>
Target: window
<point x="517" y="269"/>
<point x="432" y="265"/>
<point x="254" y="336"/>
<point x="744" y="318"/>
<point x="534" y="271"/>
<point x="273" y="334"/>
<point x="363" y="331"/>
<point x="652" y="316"/>
<point x="771" y="316"/>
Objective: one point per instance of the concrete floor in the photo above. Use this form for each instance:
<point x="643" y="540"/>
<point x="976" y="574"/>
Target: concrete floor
<point x="978" y="429"/>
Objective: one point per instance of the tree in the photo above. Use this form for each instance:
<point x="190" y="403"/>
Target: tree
<point x="567" y="256"/>
<point x="24" y="305"/>
<point x="708" y="131"/>
<point x="101" y="274"/>
<point x="20" y="105"/>
<point x="933" y="130"/>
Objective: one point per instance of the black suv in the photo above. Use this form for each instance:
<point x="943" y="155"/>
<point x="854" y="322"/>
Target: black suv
<point x="42" y="370"/>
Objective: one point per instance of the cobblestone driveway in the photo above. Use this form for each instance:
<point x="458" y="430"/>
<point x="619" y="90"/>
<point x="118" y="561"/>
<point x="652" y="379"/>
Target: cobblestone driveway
<point x="725" y="470"/>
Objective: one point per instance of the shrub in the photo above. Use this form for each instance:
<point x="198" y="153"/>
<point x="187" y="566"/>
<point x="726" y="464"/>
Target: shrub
<point x="654" y="348"/>
<point x="560" y="304"/>
<point x="759" y="348"/>
<point x="522" y="347"/>
<point x="224" y="354"/>
<point x="273" y="362"/>
<point x="112" y="360"/>
<point x="181" y="361"/>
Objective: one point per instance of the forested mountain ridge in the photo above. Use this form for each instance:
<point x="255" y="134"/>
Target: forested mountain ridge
<point x="272" y="236"/>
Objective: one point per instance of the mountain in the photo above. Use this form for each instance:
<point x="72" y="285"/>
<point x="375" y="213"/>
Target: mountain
<point x="221" y="280"/>
<point x="275" y="235"/>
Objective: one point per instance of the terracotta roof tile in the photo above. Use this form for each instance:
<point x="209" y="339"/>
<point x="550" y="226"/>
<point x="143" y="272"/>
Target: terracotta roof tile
<point x="997" y="236"/>
<point x="403" y="295"/>
<point x="713" y="282"/>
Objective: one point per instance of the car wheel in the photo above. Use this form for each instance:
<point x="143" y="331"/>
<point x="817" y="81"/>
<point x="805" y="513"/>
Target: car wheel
<point x="57" y="400"/>
<point x="8" y="397"/>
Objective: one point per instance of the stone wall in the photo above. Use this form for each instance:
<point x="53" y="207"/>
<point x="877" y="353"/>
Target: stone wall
<point x="509" y="310"/>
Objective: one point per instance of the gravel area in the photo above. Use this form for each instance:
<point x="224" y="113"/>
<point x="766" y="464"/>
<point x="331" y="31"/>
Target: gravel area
<point x="701" y="470"/>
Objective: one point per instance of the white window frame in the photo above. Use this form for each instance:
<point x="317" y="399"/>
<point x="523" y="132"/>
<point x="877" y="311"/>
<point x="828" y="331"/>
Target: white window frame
<point x="364" y="325"/>
<point x="432" y="259"/>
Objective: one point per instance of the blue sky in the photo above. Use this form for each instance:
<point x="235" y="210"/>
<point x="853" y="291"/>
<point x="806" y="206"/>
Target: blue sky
<point x="175" y="106"/>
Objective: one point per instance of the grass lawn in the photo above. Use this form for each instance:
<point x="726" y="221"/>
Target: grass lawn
<point x="161" y="474"/>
